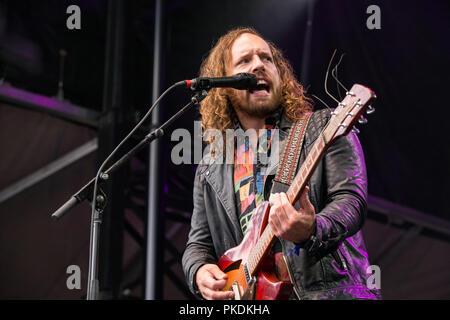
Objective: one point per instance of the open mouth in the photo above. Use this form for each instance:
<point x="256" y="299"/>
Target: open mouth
<point x="261" y="86"/>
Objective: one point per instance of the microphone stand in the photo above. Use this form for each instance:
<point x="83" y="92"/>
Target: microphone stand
<point x="101" y="199"/>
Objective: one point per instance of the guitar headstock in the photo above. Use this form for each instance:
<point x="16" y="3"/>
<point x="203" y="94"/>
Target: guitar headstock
<point x="349" y="111"/>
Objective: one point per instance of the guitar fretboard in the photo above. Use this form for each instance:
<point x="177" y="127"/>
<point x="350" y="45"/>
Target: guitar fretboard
<point x="306" y="170"/>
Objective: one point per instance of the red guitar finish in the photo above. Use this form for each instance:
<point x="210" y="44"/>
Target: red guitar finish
<point x="250" y="264"/>
<point x="235" y="260"/>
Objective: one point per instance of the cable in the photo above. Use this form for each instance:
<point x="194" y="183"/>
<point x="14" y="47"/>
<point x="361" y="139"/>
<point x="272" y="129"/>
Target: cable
<point x="94" y="197"/>
<point x="128" y="136"/>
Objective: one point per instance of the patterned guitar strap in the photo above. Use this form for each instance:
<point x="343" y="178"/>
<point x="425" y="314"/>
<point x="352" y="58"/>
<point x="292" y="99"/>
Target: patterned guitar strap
<point x="291" y="152"/>
<point x="289" y="161"/>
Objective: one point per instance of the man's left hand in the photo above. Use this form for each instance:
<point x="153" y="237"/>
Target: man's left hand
<point x="288" y="223"/>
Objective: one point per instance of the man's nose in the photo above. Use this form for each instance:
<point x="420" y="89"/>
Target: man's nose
<point x="258" y="65"/>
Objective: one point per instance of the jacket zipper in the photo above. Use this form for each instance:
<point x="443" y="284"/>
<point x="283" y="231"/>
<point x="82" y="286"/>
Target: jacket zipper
<point x="339" y="257"/>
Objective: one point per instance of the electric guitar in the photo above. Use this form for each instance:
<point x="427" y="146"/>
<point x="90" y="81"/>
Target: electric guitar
<point x="250" y="267"/>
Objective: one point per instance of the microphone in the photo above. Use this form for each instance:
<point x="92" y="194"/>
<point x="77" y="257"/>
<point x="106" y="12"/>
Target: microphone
<point x="241" y="81"/>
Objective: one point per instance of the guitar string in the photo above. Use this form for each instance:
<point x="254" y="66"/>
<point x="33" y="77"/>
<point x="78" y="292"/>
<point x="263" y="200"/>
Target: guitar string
<point x="326" y="77"/>
<point x="335" y="76"/>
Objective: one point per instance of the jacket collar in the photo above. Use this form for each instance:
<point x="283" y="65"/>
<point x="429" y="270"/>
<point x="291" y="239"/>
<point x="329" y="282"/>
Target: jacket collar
<point x="220" y="177"/>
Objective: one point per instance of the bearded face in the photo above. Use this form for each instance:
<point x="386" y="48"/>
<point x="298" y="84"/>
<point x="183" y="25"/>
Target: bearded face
<point x="251" y="54"/>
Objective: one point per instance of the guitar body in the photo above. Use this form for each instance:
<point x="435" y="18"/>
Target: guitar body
<point x="265" y="283"/>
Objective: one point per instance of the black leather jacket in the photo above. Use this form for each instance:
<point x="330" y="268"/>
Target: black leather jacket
<point x="333" y="264"/>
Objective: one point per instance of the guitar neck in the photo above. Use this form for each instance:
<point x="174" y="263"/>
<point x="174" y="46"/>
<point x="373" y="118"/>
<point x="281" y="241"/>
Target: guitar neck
<point x="306" y="170"/>
<point x="301" y="179"/>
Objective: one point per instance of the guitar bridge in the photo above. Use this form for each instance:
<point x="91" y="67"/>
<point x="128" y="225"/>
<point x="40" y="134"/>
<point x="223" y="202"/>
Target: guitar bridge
<point x="236" y="291"/>
<point x="249" y="294"/>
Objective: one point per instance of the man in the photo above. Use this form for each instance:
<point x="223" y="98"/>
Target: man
<point x="331" y="262"/>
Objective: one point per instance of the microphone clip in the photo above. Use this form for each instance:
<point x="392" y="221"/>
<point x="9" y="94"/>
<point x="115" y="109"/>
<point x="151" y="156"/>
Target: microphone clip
<point x="199" y="84"/>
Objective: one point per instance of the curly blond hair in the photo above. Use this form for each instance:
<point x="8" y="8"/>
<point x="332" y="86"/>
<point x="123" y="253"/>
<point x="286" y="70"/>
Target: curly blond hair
<point x="216" y="110"/>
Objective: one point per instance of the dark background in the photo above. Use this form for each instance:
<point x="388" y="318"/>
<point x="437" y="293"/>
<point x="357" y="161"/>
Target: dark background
<point x="406" y="63"/>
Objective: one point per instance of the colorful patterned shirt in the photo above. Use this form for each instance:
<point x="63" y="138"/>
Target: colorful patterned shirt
<point x="248" y="177"/>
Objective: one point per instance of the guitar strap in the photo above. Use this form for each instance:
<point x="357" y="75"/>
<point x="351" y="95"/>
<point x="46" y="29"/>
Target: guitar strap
<point x="285" y="175"/>
<point x="291" y="152"/>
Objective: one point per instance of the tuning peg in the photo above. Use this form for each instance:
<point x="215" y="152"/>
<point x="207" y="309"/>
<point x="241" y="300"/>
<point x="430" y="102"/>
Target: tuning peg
<point x="362" y="120"/>
<point x="355" y="130"/>
<point x="370" y="110"/>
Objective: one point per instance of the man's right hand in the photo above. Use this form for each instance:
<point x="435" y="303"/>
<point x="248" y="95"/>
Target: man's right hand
<point x="210" y="280"/>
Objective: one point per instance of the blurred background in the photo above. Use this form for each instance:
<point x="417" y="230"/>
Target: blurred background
<point x="69" y="93"/>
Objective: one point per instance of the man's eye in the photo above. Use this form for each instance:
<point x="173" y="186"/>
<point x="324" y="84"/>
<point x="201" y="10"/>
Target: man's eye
<point x="243" y="61"/>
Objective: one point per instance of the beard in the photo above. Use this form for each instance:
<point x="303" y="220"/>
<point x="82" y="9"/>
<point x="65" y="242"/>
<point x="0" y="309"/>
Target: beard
<point x="242" y="101"/>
